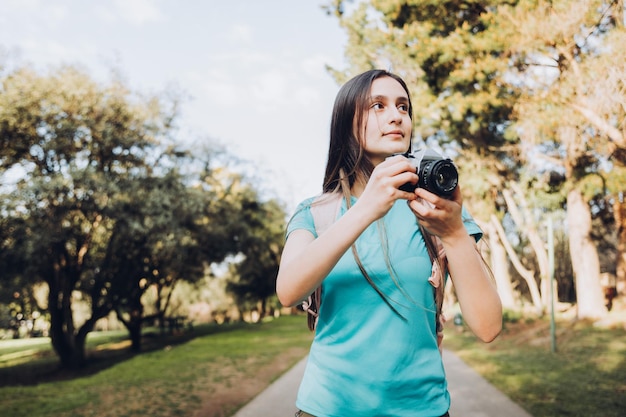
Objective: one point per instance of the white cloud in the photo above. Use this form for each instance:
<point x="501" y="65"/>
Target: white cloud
<point x="315" y="66"/>
<point x="50" y="52"/>
<point x="223" y="93"/>
<point x="37" y="14"/>
<point x="19" y="6"/>
<point x="307" y="95"/>
<point x="48" y="49"/>
<point x="240" y="60"/>
<point x="138" y="11"/>
<point x="241" y="33"/>
<point x="269" y="89"/>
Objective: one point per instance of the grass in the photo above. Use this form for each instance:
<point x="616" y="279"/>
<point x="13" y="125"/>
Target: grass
<point x="209" y="372"/>
<point x="585" y="376"/>
<point x="173" y="379"/>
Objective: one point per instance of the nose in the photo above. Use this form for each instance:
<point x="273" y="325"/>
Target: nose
<point x="395" y="116"/>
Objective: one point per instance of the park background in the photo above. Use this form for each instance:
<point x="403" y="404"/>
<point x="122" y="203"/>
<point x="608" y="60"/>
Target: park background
<point x="152" y="152"/>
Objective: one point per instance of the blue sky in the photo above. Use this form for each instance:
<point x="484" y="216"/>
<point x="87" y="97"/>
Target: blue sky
<point x="253" y="69"/>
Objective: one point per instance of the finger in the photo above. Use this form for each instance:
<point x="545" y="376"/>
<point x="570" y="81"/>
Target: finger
<point x="421" y="208"/>
<point x="433" y="199"/>
<point x="457" y="195"/>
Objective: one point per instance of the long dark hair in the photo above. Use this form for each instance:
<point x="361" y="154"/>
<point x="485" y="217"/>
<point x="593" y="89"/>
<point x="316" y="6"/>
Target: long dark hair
<point x="348" y="163"/>
<point x="346" y="158"/>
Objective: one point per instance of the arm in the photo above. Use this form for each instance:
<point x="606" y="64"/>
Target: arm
<point x="306" y="261"/>
<point x="475" y="289"/>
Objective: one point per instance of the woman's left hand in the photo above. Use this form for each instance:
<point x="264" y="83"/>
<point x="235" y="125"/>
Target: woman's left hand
<point x="440" y="216"/>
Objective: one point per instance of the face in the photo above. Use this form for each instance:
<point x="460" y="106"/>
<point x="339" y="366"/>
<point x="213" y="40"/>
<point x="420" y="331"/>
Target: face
<point x="388" y="125"/>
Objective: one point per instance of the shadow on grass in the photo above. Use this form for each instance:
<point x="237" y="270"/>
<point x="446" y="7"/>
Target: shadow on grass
<point x="42" y="366"/>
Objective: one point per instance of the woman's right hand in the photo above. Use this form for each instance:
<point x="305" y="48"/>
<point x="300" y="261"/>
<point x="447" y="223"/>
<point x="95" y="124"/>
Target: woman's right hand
<point x="383" y="188"/>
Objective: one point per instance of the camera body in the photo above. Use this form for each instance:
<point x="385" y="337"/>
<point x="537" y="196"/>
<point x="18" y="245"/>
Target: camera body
<point x="436" y="173"/>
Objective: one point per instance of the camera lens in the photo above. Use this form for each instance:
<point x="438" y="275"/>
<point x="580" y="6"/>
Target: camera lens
<point x="440" y="177"/>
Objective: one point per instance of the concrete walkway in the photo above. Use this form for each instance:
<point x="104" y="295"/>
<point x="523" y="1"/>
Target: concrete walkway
<point x="471" y="394"/>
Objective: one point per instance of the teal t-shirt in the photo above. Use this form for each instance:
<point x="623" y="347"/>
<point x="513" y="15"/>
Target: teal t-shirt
<point x="366" y="359"/>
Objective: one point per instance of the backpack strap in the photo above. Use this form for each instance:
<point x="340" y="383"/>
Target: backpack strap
<point x="437" y="279"/>
<point x="324" y="210"/>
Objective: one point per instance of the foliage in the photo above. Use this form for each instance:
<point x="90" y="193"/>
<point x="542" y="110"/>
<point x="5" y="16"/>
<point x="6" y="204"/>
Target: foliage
<point x="76" y="146"/>
<point x="453" y="55"/>
<point x="262" y="245"/>
<point x="571" y="130"/>
<point x="515" y="91"/>
<point x="102" y="205"/>
<point x="563" y="50"/>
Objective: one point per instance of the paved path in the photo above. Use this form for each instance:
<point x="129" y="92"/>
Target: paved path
<point x="471" y="394"/>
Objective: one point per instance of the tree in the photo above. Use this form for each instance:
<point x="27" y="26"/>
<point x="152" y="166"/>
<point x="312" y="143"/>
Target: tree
<point x="104" y="206"/>
<point x="98" y="205"/>
<point x="168" y="230"/>
<point x="73" y="144"/>
<point x="261" y="241"/>
<point x="507" y="83"/>
<point x="455" y="60"/>
<point x="567" y="48"/>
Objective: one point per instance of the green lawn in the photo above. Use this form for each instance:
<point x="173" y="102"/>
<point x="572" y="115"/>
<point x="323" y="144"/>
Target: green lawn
<point x="172" y="380"/>
<point x="585" y="376"/>
<point x="214" y="367"/>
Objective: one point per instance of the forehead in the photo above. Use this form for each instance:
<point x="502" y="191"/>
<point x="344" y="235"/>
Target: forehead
<point x="387" y="87"/>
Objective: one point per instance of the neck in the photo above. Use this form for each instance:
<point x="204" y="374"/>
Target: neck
<point x="358" y="187"/>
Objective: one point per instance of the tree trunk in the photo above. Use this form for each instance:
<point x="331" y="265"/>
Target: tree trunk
<point x="524" y="220"/>
<point x="527" y="275"/>
<point x="585" y="261"/>
<point x="69" y="348"/>
<point x="133" y="325"/>
<point x="500" y="268"/>
<point x="619" y="209"/>
<point x="134" y="331"/>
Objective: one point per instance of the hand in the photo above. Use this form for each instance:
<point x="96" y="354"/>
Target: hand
<point x="383" y="188"/>
<point x="439" y="215"/>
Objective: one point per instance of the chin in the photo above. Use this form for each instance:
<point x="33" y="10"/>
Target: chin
<point x="401" y="149"/>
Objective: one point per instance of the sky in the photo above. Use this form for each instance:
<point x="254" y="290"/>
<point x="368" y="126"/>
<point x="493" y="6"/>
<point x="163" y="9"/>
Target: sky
<point x="253" y="70"/>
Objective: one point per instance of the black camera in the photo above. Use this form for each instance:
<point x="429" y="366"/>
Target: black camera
<point x="436" y="173"/>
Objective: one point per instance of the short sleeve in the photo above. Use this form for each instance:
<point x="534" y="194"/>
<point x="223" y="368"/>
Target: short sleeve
<point x="471" y="226"/>
<point x="302" y="218"/>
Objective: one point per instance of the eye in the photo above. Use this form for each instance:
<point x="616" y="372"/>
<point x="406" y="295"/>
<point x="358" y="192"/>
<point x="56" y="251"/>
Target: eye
<point x="378" y="106"/>
<point x="403" y="107"/>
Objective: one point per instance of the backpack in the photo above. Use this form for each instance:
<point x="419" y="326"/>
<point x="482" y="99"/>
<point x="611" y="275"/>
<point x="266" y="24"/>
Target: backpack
<point x="324" y="210"/>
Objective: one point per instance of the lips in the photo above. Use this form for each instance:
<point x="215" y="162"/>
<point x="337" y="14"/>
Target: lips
<point x="395" y="132"/>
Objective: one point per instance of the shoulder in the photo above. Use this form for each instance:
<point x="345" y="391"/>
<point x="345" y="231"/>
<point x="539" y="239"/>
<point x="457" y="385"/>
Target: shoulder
<point x="315" y="214"/>
<point x="305" y="204"/>
<point x="302" y="217"/>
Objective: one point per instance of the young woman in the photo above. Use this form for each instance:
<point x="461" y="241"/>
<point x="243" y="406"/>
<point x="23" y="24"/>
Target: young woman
<point x="375" y="351"/>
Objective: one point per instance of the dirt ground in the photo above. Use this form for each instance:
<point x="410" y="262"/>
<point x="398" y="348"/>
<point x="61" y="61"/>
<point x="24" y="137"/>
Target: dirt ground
<point x="224" y="399"/>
